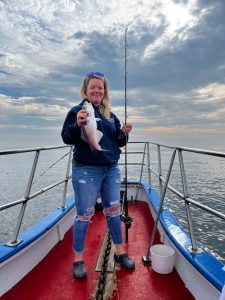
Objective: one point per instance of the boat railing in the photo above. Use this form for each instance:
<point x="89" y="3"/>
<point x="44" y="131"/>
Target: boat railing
<point x="146" y="162"/>
<point x="28" y="196"/>
<point x="164" y="183"/>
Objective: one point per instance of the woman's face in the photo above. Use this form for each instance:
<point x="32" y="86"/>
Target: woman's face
<point x="95" y="91"/>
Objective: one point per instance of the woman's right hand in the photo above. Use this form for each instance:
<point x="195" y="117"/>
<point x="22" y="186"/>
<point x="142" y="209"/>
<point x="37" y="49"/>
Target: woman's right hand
<point x="82" y="116"/>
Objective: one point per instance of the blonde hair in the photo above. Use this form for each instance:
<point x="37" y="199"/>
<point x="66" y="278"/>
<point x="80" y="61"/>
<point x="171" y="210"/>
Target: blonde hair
<point x="104" y="107"/>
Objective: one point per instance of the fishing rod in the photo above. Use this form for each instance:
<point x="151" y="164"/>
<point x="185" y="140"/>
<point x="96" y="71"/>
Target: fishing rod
<point x="125" y="217"/>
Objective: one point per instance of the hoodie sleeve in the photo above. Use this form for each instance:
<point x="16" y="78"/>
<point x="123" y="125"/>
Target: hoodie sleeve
<point x="121" y="137"/>
<point x="71" y="132"/>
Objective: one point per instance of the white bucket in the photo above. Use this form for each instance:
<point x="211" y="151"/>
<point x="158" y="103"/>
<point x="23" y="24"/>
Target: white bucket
<point x="162" y="258"/>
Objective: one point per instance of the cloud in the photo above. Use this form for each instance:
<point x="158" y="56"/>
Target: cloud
<point x="175" y="52"/>
<point x="178" y="19"/>
<point x="30" y="108"/>
<point x="211" y="93"/>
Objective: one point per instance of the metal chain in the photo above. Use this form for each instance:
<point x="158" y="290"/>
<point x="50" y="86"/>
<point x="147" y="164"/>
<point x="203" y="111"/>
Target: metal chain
<point x="102" y="278"/>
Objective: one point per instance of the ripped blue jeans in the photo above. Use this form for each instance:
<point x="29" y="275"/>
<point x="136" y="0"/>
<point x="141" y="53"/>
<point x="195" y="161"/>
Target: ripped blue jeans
<point x="88" y="182"/>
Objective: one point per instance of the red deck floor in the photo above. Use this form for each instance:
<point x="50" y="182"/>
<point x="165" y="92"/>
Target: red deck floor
<point x="52" y="278"/>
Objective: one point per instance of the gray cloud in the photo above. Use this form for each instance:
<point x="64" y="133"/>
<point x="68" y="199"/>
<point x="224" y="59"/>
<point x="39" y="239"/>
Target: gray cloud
<point x="176" y="64"/>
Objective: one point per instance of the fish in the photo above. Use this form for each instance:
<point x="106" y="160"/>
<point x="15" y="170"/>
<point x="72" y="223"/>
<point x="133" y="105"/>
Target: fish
<point x="89" y="132"/>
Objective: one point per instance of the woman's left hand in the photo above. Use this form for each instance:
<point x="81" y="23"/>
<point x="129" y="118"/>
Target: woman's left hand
<point x="126" y="128"/>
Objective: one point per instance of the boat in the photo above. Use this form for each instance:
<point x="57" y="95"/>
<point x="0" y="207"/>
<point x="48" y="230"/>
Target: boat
<point x="171" y="263"/>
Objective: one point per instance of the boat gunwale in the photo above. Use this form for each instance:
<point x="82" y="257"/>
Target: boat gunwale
<point x="35" y="231"/>
<point x="207" y="264"/>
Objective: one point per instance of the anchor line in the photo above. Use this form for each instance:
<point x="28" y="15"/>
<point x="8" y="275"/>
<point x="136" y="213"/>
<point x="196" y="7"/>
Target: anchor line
<point x="99" y="295"/>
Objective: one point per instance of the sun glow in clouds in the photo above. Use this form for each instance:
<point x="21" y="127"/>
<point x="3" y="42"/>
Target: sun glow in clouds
<point x="178" y="19"/>
<point x="178" y="15"/>
<point x="175" y="59"/>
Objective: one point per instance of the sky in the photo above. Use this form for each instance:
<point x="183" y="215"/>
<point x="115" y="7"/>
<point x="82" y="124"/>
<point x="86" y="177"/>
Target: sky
<point x="175" y="67"/>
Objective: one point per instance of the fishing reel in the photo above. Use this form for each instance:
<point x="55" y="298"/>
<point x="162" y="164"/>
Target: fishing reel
<point x="127" y="220"/>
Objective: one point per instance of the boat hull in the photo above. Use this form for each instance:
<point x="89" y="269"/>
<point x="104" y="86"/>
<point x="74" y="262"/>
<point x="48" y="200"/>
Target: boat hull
<point x="36" y="243"/>
<point x="201" y="273"/>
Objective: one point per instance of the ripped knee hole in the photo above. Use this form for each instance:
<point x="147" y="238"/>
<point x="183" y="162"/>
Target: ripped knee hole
<point x="112" y="211"/>
<point x="86" y="217"/>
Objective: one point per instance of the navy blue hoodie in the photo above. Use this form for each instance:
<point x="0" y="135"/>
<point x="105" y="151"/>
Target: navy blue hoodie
<point x="112" y="138"/>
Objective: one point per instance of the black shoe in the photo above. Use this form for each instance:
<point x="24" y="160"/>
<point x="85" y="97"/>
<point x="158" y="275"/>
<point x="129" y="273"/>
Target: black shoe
<point x="125" y="261"/>
<point x="79" y="270"/>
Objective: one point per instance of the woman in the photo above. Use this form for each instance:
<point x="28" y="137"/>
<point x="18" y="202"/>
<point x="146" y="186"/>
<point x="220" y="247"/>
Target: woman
<point x="96" y="171"/>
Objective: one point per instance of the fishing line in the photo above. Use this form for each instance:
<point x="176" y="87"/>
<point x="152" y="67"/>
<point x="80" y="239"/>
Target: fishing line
<point x="50" y="167"/>
<point x="125" y="217"/>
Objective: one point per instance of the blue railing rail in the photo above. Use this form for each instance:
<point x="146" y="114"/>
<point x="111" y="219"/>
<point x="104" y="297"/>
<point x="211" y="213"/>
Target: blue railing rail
<point x="28" y="196"/>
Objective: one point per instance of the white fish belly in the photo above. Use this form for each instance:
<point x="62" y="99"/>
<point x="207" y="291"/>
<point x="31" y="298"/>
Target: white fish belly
<point x="90" y="133"/>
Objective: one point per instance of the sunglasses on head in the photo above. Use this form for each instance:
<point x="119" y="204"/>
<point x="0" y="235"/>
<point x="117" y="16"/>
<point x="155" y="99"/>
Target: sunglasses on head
<point x="92" y="74"/>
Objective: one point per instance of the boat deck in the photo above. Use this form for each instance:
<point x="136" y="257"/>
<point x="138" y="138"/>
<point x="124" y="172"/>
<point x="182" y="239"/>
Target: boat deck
<point x="52" y="278"/>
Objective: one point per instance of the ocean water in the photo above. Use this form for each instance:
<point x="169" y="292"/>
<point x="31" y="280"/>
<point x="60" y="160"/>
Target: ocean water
<point x="14" y="174"/>
<point x="205" y="181"/>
